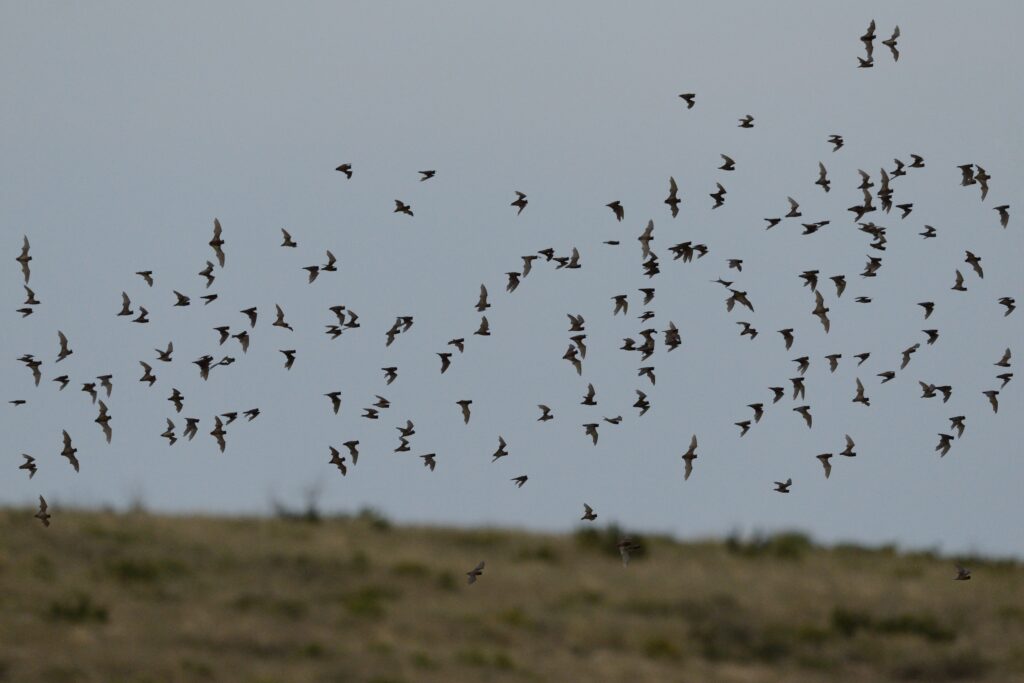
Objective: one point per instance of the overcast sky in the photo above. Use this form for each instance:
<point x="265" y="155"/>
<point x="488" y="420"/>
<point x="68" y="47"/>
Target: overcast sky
<point x="125" y="128"/>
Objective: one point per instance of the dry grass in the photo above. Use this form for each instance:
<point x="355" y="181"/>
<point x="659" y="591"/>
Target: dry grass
<point x="106" y="598"/>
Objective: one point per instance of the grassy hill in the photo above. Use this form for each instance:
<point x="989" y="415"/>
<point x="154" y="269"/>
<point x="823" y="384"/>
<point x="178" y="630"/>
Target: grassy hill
<point x="106" y="598"/>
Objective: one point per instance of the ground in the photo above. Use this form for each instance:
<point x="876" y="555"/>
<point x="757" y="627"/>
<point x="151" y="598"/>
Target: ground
<point x="138" y="597"/>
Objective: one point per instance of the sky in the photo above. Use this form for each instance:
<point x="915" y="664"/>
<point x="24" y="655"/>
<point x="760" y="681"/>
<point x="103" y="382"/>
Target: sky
<point x="125" y="129"/>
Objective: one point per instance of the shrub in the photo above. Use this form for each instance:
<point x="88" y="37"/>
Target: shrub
<point x="78" y="608"/>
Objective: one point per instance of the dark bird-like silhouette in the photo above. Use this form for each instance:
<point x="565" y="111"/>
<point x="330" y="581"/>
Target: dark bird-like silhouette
<point x="346" y="169"/>
<point x="401" y="207"/>
<point x="744" y="426"/>
<point x="24" y="258"/>
<point x="279" y="321"/>
<point x="219" y="433"/>
<point x="65" y="351"/>
<point x="335" y="397"/>
<point x="748" y="329"/>
<point x="459" y="343"/>
<point x="191" y="428"/>
<point x="794" y="208"/>
<point x="641" y="403"/>
<point x="778" y="393"/>
<point x="689" y="456"/>
<point x="43" y="516"/>
<point x="178" y="399"/>
<point x="621" y="304"/>
<point x="962" y="574"/>
<point x="502" y="450"/>
<point x="787" y="336"/>
<point x="464" y="405"/>
<point x="823" y="180"/>
<point x="959" y="284"/>
<point x="337" y="461"/>
<point x="957" y="423"/>
<point x="1010" y="303"/>
<point x="975" y="263"/>
<point x="824" y="459"/>
<point x="588" y="513"/>
<point x="626" y="547"/>
<point x="147" y="374"/>
<point x="966" y="175"/>
<point x="690" y="99"/>
<point x="513" y="281"/>
<point x="929" y="307"/>
<point x="330" y="266"/>
<point x="29" y="465"/>
<point x="481" y="302"/>
<point x="728" y="164"/>
<point x="993" y="399"/>
<point x="673" y="196"/>
<point x="69" y="451"/>
<point x="848" y="451"/>
<point x="427" y="175"/>
<point x="746" y="122"/>
<point x="982" y="177"/>
<point x="833" y="361"/>
<point x="474" y="573"/>
<point x="740" y="298"/>
<point x="945" y="443"/>
<point x="520" y="480"/>
<point x="217" y="243"/>
<point x="617" y="209"/>
<point x="783" y="486"/>
<point x="836" y="141"/>
<point x="891" y="44"/>
<point x="251" y="314"/>
<point x="907" y="353"/>
<point x="429" y="461"/>
<point x="1004" y="362"/>
<point x="718" y="195"/>
<point x="182" y="300"/>
<point x="289" y="358"/>
<point x="103" y="420"/>
<point x="520" y="202"/>
<point x="588" y="398"/>
<point x="545" y="413"/>
<point x="821" y="311"/>
<point x="929" y="232"/>
<point x="805" y="411"/>
<point x="860" y="397"/>
<point x="485" y="327"/>
<point x="590" y="429"/>
<point x="1004" y="214"/>
<point x="887" y="376"/>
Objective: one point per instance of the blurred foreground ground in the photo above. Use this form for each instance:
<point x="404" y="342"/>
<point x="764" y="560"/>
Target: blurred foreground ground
<point x="105" y="597"/>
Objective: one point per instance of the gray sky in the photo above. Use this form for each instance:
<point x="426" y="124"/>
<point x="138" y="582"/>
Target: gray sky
<point x="125" y="128"/>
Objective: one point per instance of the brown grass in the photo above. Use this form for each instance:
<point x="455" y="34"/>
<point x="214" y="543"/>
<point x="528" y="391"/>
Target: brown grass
<point x="140" y="598"/>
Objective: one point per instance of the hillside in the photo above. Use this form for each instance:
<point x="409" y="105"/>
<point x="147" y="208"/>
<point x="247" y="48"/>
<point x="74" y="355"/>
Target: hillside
<point x="104" y="597"/>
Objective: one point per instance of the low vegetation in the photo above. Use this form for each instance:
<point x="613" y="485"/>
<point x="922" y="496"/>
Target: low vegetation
<point x="100" y="597"/>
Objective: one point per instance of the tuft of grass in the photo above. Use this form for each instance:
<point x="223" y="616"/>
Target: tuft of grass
<point x="78" y="608"/>
<point x="659" y="647"/>
<point x="410" y="568"/>
<point x="142" y="570"/>
<point x="786" y="545"/>
<point x="369" y="601"/>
